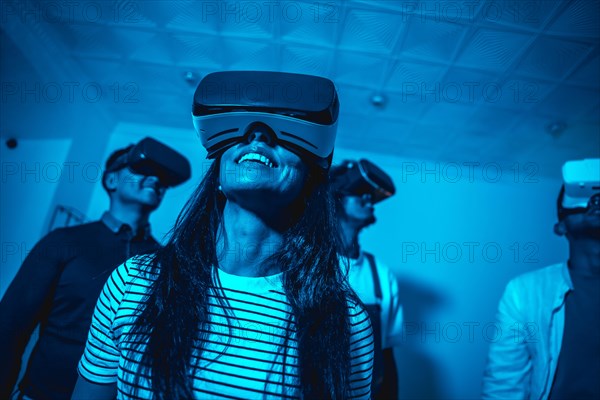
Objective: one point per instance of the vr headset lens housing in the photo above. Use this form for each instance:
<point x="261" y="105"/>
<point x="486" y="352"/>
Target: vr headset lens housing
<point x="363" y="177"/>
<point x="152" y="158"/>
<point x="302" y="110"/>
<point x="593" y="204"/>
<point x="581" y="180"/>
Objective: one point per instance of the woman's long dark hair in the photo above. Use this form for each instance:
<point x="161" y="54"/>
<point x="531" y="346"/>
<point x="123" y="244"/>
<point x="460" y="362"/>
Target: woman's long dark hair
<point x="177" y="304"/>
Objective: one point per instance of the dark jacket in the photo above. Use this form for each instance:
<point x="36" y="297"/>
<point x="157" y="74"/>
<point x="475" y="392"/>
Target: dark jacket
<point x="58" y="286"/>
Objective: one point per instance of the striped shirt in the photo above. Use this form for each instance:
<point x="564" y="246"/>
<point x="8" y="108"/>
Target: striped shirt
<point x="242" y="357"/>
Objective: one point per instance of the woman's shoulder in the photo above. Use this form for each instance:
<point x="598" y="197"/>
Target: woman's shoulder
<point x="139" y="269"/>
<point x="358" y="315"/>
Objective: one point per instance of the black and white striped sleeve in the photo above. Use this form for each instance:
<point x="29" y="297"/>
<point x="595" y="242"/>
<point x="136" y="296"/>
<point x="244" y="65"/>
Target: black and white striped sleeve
<point x="100" y="359"/>
<point x="361" y="352"/>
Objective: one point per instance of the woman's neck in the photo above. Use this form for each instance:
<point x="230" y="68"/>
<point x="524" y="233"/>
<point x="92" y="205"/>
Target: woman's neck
<point x="349" y="232"/>
<point x="245" y="241"/>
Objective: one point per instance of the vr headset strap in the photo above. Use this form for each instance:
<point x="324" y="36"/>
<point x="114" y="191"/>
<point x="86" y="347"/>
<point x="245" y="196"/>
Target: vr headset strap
<point x="371" y="259"/>
<point x="374" y="311"/>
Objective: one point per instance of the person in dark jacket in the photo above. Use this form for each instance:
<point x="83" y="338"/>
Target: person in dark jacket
<point x="60" y="280"/>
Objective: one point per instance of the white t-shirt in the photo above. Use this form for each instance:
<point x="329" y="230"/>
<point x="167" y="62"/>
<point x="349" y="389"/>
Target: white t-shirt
<point x="243" y="354"/>
<point x="361" y="280"/>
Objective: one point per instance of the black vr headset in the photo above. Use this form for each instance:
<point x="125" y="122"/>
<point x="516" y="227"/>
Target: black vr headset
<point x="361" y="177"/>
<point x="301" y="110"/>
<point x="152" y="158"/>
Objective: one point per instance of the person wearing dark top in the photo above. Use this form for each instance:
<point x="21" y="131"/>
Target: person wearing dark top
<point x="550" y="318"/>
<point x="579" y="360"/>
<point x="60" y="280"/>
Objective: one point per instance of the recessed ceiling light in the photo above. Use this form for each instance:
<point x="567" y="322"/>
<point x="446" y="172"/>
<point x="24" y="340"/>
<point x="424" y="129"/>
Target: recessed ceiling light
<point x="191" y="77"/>
<point x="379" y="100"/>
<point x="556" y="128"/>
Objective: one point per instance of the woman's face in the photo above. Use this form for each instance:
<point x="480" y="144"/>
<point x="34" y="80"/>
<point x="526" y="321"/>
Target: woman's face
<point x="260" y="172"/>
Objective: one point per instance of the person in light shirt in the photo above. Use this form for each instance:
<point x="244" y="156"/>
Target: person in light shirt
<point x="359" y="185"/>
<point x="552" y="315"/>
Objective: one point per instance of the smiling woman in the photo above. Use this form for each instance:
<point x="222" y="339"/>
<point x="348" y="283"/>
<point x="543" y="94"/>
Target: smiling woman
<point x="247" y="299"/>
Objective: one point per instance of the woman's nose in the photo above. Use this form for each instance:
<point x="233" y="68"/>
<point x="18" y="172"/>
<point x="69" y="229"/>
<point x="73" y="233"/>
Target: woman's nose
<point x="260" y="134"/>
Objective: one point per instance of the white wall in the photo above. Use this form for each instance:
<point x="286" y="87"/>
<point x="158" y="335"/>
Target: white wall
<point x="29" y="178"/>
<point x="424" y="234"/>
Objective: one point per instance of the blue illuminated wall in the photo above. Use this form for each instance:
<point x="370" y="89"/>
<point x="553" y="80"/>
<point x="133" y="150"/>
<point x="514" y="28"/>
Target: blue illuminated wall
<point x="454" y="235"/>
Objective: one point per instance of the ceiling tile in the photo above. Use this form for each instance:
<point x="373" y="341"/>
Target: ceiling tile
<point x="99" y="41"/>
<point x="352" y="129"/>
<point x="568" y="102"/>
<point x="520" y="15"/>
<point x="139" y="13"/>
<point x="592" y="115"/>
<point x="583" y="138"/>
<point x="101" y="69"/>
<point x="307" y="60"/>
<point x="465" y="148"/>
<point x="360" y="69"/>
<point x="245" y="54"/>
<point x="194" y="16"/>
<point x="154" y="78"/>
<point x="249" y="19"/>
<point x="493" y="121"/>
<point x="385" y="4"/>
<point x="400" y="106"/>
<point x="310" y="23"/>
<point x="456" y="113"/>
<point x="531" y="130"/>
<point x="517" y="92"/>
<point x="431" y="137"/>
<point x="386" y="136"/>
<point x="588" y="73"/>
<point x="161" y="47"/>
<point x="431" y="40"/>
<point x="372" y="31"/>
<point x="354" y="100"/>
<point x="409" y="77"/>
<point x="124" y="13"/>
<point x="492" y="49"/>
<point x="552" y="58"/>
<point x="195" y="50"/>
<point x="580" y="18"/>
<point x="467" y="86"/>
<point x="578" y="142"/>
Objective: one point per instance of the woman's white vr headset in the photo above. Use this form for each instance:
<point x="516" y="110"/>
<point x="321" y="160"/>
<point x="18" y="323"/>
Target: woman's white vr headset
<point x="301" y="110"/>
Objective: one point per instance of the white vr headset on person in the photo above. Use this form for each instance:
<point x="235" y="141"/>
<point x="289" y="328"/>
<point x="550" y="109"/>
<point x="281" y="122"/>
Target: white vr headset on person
<point x="581" y="179"/>
<point x="301" y="110"/>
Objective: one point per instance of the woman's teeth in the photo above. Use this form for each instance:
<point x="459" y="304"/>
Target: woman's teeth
<point x="258" y="158"/>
